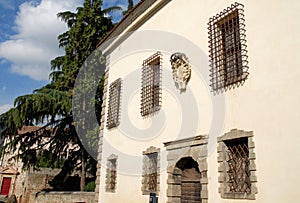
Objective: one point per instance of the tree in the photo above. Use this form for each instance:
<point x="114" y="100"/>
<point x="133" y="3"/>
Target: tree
<point x="51" y="106"/>
<point x="129" y="7"/>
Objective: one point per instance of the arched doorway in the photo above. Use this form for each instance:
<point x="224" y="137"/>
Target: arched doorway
<point x="190" y="180"/>
<point x="187" y="168"/>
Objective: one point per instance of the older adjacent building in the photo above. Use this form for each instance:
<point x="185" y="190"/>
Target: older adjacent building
<point x="34" y="185"/>
<point x="23" y="183"/>
<point x="201" y="103"/>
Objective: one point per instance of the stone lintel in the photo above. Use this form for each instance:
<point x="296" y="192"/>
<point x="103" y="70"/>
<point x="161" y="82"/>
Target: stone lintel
<point x="187" y="142"/>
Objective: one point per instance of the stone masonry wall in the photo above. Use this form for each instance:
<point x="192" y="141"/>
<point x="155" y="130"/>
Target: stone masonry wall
<point x="36" y="181"/>
<point x="64" y="197"/>
<point x="99" y="157"/>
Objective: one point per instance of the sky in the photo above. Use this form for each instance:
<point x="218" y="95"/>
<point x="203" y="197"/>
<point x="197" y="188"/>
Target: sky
<point x="28" y="42"/>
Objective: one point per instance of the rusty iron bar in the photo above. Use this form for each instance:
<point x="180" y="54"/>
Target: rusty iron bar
<point x="114" y="104"/>
<point x="151" y="84"/>
<point x="228" y="49"/>
<point x="238" y="174"/>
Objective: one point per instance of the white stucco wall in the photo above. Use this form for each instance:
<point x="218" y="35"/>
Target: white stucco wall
<point x="267" y="104"/>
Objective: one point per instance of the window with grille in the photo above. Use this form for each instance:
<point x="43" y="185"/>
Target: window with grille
<point x="227" y="49"/>
<point x="152" y="172"/>
<point x="237" y="169"/>
<point x="237" y="165"/>
<point x="150" y="181"/>
<point x="111" y="174"/>
<point x="151" y="84"/>
<point x="114" y="104"/>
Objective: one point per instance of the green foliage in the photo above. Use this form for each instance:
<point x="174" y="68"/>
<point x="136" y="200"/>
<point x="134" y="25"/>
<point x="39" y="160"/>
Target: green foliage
<point x="48" y="160"/>
<point x="130" y="6"/>
<point x="50" y="107"/>
<point x="90" y="187"/>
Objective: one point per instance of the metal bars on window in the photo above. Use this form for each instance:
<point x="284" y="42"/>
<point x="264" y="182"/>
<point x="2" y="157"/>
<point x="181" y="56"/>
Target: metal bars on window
<point x="111" y="174"/>
<point x="151" y="84"/>
<point x="151" y="175"/>
<point x="237" y="160"/>
<point x="227" y="49"/>
<point x="152" y="172"/>
<point x="114" y="104"/>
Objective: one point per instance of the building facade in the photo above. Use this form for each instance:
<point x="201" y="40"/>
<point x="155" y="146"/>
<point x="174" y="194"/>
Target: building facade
<point x="201" y="103"/>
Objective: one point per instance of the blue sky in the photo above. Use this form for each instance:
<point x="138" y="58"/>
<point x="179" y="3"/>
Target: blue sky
<point x="28" y="32"/>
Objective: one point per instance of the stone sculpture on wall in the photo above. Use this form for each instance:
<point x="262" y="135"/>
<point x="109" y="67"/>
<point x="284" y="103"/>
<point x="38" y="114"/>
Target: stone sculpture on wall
<point x="181" y="70"/>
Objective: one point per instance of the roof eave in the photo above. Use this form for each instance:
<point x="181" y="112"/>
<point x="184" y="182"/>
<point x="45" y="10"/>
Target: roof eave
<point x="135" y="18"/>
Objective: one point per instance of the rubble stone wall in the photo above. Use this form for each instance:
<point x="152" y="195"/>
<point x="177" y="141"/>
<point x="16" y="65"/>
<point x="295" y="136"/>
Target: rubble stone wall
<point x="64" y="197"/>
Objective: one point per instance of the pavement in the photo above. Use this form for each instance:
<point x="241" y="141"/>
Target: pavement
<point x="3" y="199"/>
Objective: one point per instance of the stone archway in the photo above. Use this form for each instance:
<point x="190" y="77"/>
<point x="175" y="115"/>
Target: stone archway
<point x="187" y="170"/>
<point x="190" y="180"/>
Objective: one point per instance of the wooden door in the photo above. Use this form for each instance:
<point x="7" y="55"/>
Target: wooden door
<point x="5" y="186"/>
<point x="190" y="186"/>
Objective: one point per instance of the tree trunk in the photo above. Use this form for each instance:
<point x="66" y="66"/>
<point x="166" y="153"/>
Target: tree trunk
<point x="83" y="172"/>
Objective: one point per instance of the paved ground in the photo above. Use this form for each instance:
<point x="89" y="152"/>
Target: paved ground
<point x="3" y="199"/>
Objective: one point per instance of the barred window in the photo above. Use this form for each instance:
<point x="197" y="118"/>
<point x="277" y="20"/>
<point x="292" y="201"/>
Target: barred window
<point x="237" y="165"/>
<point x="227" y="49"/>
<point x="114" y="104"/>
<point x="151" y="84"/>
<point x="150" y="171"/>
<point x="237" y="168"/>
<point x="111" y="174"/>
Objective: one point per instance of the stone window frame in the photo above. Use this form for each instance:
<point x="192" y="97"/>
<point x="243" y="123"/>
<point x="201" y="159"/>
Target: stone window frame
<point x="114" y="103"/>
<point x="235" y="134"/>
<point x="111" y="174"/>
<point x="227" y="49"/>
<point x="147" y="171"/>
<point x="151" y="84"/>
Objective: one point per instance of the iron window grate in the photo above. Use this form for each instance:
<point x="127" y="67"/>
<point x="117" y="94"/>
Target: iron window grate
<point x="237" y="160"/>
<point x="150" y="175"/>
<point x="114" y="104"/>
<point x="113" y="175"/>
<point x="227" y="49"/>
<point x="152" y="172"/>
<point x="151" y="84"/>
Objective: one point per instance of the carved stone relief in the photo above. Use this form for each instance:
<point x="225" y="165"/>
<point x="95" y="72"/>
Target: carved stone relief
<point x="181" y="70"/>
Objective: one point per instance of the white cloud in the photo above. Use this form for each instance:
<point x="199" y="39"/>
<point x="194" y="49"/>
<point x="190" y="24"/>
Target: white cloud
<point x="5" y="108"/>
<point x="35" y="44"/>
<point x="123" y="4"/>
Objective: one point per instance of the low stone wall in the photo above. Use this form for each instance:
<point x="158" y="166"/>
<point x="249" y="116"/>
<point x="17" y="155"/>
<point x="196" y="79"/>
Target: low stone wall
<point x="64" y="197"/>
<point x="37" y="180"/>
